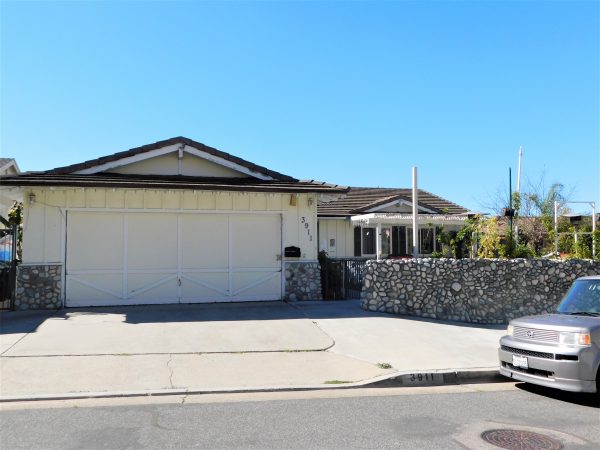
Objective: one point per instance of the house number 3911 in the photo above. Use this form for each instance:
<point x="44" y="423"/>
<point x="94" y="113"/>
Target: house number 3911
<point x="306" y="227"/>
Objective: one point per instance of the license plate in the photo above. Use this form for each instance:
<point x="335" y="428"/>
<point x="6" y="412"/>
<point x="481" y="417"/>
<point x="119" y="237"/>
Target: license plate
<point x="520" y="361"/>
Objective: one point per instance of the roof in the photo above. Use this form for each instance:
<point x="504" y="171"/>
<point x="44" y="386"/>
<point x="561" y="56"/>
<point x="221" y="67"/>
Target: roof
<point x="71" y="176"/>
<point x="360" y="200"/>
<point x="115" y="180"/>
<point x="372" y="219"/>
<point x="7" y="162"/>
<point x="160" y="144"/>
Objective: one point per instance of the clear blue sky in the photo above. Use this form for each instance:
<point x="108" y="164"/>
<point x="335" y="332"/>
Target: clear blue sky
<point x="353" y="93"/>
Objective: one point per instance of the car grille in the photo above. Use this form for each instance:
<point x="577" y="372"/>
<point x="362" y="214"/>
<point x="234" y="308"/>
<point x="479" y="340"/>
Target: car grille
<point x="519" y="351"/>
<point x="536" y="372"/>
<point x="535" y="334"/>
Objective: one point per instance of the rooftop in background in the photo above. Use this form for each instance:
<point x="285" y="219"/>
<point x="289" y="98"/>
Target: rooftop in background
<point x="8" y="166"/>
<point x="360" y="200"/>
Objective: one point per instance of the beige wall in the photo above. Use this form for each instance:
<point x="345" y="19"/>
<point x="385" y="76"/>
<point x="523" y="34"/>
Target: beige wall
<point x="342" y="231"/>
<point x="169" y="165"/>
<point x="44" y="222"/>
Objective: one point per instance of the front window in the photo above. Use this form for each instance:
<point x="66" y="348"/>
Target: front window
<point x="583" y="298"/>
<point x="426" y="241"/>
<point x="368" y="241"/>
<point x="386" y="242"/>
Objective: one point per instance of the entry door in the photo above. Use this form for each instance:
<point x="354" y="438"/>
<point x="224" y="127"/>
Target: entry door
<point x="144" y="258"/>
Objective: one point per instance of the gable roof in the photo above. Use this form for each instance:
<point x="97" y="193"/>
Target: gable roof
<point x="91" y="174"/>
<point x="359" y="200"/>
<point x="74" y="168"/>
<point x="6" y="163"/>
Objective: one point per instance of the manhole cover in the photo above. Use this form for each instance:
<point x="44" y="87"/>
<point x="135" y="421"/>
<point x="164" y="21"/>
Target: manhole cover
<point x="520" y="440"/>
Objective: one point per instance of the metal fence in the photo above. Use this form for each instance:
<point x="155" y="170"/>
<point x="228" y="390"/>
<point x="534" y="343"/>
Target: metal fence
<point x="342" y="278"/>
<point x="8" y="266"/>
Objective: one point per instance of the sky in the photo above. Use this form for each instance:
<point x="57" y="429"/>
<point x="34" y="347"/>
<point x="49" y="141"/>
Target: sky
<point x="349" y="92"/>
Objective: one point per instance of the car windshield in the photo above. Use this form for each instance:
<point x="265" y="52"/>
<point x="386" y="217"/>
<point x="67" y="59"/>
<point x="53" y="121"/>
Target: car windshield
<point x="583" y="298"/>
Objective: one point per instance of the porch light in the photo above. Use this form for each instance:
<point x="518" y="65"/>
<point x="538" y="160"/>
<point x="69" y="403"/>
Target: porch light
<point x="31" y="199"/>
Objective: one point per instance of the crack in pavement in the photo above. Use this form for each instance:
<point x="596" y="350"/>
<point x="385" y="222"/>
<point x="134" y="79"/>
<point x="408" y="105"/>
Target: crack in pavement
<point x="170" y="370"/>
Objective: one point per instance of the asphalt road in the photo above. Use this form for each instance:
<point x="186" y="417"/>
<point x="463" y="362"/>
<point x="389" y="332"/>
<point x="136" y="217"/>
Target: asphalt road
<point x="442" y="417"/>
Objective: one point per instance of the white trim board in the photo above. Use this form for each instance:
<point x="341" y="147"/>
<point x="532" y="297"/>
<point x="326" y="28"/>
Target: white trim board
<point x="172" y="149"/>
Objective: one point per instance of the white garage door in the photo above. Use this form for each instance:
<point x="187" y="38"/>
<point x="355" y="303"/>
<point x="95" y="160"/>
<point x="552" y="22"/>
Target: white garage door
<point x="118" y="258"/>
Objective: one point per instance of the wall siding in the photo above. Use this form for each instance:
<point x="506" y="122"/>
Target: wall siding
<point x="343" y="232"/>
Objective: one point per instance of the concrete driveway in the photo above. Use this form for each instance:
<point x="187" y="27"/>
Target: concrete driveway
<point x="164" y="329"/>
<point x="407" y="343"/>
<point x="210" y="347"/>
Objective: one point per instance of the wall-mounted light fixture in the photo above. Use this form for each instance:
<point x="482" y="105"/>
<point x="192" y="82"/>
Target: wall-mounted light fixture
<point x="293" y="199"/>
<point x="31" y="199"/>
<point x="310" y="201"/>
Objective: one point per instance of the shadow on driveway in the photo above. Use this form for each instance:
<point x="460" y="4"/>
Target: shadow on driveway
<point x="29" y="321"/>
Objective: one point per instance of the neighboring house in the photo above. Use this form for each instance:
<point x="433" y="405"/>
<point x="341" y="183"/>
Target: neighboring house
<point x="350" y="226"/>
<point x="8" y="167"/>
<point x="170" y="222"/>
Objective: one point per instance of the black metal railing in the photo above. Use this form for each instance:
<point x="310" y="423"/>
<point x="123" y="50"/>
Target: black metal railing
<point x="342" y="278"/>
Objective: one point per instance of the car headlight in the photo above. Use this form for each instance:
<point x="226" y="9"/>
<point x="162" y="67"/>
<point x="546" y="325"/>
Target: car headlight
<point x="510" y="329"/>
<point x="568" y="338"/>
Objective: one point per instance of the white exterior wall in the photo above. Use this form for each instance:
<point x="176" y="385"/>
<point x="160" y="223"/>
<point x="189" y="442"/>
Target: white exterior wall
<point x="45" y="223"/>
<point x="342" y="231"/>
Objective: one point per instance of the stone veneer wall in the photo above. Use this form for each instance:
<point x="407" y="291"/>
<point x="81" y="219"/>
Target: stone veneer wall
<point x="39" y="287"/>
<point x="470" y="290"/>
<point x="302" y="281"/>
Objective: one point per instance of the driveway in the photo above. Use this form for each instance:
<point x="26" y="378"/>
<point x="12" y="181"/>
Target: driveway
<point x="164" y="329"/>
<point x="407" y="343"/>
<point x="208" y="347"/>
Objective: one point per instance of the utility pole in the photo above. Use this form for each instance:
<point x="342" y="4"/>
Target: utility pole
<point x="519" y="195"/>
<point x="415" y="212"/>
<point x="510" y="211"/>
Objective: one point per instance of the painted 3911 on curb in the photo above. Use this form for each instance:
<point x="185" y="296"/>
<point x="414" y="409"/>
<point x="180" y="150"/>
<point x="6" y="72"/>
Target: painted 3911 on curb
<point x="559" y="350"/>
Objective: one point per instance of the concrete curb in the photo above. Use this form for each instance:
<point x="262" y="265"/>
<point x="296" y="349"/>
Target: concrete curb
<point x="396" y="379"/>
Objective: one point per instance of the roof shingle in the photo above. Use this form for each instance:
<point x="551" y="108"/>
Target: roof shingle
<point x="361" y="199"/>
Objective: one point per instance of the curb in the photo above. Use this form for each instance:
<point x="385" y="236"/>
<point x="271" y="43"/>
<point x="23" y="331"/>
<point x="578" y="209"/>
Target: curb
<point x="397" y="379"/>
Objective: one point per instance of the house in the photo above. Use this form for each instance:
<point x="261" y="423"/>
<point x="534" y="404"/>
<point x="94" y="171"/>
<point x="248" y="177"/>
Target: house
<point x="171" y="222"/>
<point x="349" y="226"/>
<point x="8" y="167"/>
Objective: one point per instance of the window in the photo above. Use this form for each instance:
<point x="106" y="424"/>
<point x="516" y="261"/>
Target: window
<point x="368" y="241"/>
<point x="426" y="241"/>
<point x="399" y="241"/>
<point x="357" y="244"/>
<point x="426" y="238"/>
<point x="386" y="241"/>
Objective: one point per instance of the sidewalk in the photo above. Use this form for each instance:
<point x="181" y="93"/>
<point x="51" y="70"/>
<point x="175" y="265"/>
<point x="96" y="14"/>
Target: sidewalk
<point x="232" y="347"/>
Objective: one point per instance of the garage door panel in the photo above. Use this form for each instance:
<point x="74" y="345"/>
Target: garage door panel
<point x="146" y="286"/>
<point x="151" y="241"/>
<point x="150" y="258"/>
<point x="262" y="284"/>
<point x="204" y="285"/>
<point x="256" y="241"/>
<point x="94" y="290"/>
<point x="96" y="241"/>
<point x="205" y="241"/>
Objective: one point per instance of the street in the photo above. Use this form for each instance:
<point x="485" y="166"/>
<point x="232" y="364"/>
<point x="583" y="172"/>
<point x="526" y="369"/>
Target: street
<point x="428" y="417"/>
